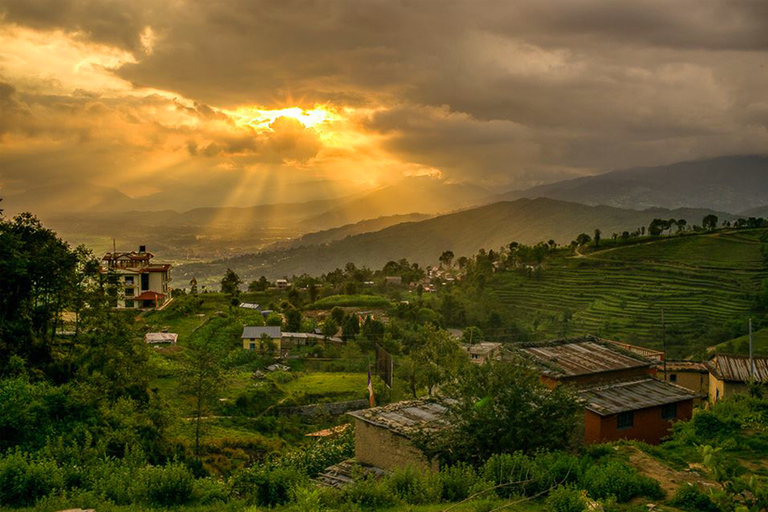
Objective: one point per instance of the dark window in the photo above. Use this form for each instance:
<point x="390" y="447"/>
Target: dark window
<point x="128" y="279"/>
<point x="129" y="292"/>
<point x="253" y="346"/>
<point x="129" y="303"/>
<point x="625" y="419"/>
<point x="144" y="282"/>
<point x="672" y="377"/>
<point x="669" y="411"/>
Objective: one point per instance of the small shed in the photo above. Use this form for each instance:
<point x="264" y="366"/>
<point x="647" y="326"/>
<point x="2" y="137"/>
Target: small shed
<point x="253" y="335"/>
<point x="731" y="374"/>
<point x="483" y="351"/>
<point x="383" y="434"/>
<point x="156" y="338"/>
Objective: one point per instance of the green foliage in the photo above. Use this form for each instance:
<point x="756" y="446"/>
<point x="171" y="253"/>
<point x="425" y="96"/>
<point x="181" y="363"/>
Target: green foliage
<point x="23" y="480"/>
<point x="620" y="480"/>
<point x="691" y="498"/>
<point x="362" y="301"/>
<point x="414" y="486"/>
<point x="166" y="486"/>
<point x="368" y="494"/>
<point x="457" y="481"/>
<point x="566" y="498"/>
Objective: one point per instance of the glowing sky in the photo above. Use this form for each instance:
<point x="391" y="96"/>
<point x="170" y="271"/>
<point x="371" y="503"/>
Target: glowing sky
<point x="198" y="103"/>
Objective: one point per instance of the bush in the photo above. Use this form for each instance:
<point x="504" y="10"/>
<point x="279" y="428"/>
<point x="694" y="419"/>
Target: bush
<point x="166" y="486"/>
<point x="509" y="470"/>
<point x="620" y="480"/>
<point x="268" y="487"/>
<point x="566" y="499"/>
<point x="458" y="481"/>
<point x="23" y="482"/>
<point x="690" y="497"/>
<point x="415" y="487"/>
<point x="368" y="493"/>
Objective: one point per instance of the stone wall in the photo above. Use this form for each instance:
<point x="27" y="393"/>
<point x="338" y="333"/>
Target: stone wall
<point x="329" y="409"/>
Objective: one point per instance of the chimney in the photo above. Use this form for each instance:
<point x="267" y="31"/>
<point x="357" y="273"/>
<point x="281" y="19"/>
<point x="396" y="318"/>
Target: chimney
<point x="142" y="248"/>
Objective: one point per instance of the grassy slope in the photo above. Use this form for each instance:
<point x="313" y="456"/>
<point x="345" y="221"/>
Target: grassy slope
<point x="741" y="345"/>
<point x="700" y="281"/>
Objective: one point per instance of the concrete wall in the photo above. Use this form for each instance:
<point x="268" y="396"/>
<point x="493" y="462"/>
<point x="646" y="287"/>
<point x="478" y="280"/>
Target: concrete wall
<point x="257" y="343"/>
<point x="698" y="382"/>
<point x="719" y="389"/>
<point x="385" y="449"/>
<point x="648" y="425"/>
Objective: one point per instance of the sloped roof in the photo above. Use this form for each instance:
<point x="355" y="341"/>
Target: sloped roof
<point x="482" y="348"/>
<point x="148" y="295"/>
<point x="582" y="356"/>
<point x="736" y="368"/>
<point x="255" y="332"/>
<point x="405" y="417"/>
<point x="633" y="395"/>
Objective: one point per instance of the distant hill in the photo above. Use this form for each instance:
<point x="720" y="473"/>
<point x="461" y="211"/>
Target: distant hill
<point x="415" y="194"/>
<point x="491" y="227"/>
<point x="760" y="211"/>
<point x="729" y="183"/>
<point x="334" y="234"/>
<point x="73" y="197"/>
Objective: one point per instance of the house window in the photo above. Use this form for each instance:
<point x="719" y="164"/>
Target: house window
<point x="129" y="303"/>
<point x="625" y="420"/>
<point x="252" y="346"/>
<point x="128" y="279"/>
<point x="672" y="377"/>
<point x="144" y="282"/>
<point x="129" y="292"/>
<point x="669" y="411"/>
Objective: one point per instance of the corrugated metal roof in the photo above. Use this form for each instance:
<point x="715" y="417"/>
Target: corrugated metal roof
<point x="736" y="368"/>
<point x="161" y="337"/>
<point x="573" y="358"/>
<point x="405" y="417"/>
<point x="682" y="366"/>
<point x="253" y="332"/>
<point x="481" y="348"/>
<point x="633" y="395"/>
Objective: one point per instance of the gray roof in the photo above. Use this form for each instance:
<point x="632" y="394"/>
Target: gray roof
<point x="253" y="332"/>
<point x="736" y="368"/>
<point x="482" y="348"/>
<point x="405" y="417"/>
<point x="633" y="395"/>
<point x="570" y="358"/>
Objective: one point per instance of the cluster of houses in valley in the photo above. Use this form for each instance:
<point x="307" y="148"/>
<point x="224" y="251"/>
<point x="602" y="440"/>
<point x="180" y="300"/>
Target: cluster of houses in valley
<point x="628" y="392"/>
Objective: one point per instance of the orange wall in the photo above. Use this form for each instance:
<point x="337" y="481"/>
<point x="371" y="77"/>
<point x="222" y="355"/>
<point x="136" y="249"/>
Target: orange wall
<point x="648" y="425"/>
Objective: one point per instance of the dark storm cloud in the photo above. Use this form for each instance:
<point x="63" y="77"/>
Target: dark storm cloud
<point x="516" y="92"/>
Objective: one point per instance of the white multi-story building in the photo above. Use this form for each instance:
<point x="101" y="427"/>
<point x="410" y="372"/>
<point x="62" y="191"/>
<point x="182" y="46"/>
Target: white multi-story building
<point x="144" y="284"/>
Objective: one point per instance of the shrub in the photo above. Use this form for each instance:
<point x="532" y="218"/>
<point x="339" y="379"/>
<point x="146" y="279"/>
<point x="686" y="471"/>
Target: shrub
<point x="368" y="493"/>
<point x="166" y="486"/>
<point x="510" y="471"/>
<point x="415" y="487"/>
<point x="269" y="487"/>
<point x="209" y="490"/>
<point x="23" y="482"/>
<point x="690" y="497"/>
<point x="458" y="481"/>
<point x="620" y="480"/>
<point x="565" y="498"/>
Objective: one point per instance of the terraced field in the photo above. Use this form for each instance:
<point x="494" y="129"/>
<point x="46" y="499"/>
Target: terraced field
<point x="699" y="281"/>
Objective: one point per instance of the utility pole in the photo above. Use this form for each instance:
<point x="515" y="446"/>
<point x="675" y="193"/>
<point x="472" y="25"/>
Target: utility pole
<point x="751" y="356"/>
<point x="664" y="342"/>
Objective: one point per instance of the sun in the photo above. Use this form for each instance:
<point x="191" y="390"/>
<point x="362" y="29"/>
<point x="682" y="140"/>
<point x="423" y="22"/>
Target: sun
<point x="261" y="118"/>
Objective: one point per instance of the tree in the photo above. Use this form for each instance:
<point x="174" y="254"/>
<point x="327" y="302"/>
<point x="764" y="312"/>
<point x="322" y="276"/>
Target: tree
<point x="472" y="335"/>
<point x="583" y="239"/>
<point x="681" y="224"/>
<point x="709" y="223"/>
<point x="338" y="315"/>
<point x="670" y="224"/>
<point x="597" y="237"/>
<point x="230" y="283"/>
<point x="330" y="327"/>
<point x="292" y="320"/>
<point x="259" y="285"/>
<point x="462" y="261"/>
<point x="656" y="227"/>
<point x="502" y="407"/>
<point x="350" y="327"/>
<point x="446" y="258"/>
<point x="313" y="292"/>
<point x="437" y="357"/>
<point x="294" y="297"/>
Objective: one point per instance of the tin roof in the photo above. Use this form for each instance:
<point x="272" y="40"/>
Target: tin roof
<point x="633" y="395"/>
<point x="482" y="348"/>
<point x="161" y="337"/>
<point x="682" y="366"/>
<point x="254" y="332"/>
<point x="736" y="368"/>
<point x="405" y="417"/>
<point x="582" y="356"/>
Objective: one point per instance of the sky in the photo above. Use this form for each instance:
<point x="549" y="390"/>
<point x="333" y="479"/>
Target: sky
<point x="236" y="102"/>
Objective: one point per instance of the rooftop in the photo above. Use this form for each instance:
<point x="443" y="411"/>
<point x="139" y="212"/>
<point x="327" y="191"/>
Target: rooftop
<point x="161" y="337"/>
<point x="405" y="417"/>
<point x="682" y="366"/>
<point x="482" y="348"/>
<point x="254" y="332"/>
<point x="736" y="368"/>
<point x="633" y="395"/>
<point x="582" y="356"/>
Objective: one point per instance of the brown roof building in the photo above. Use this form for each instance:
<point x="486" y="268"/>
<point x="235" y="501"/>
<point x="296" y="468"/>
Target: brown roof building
<point x="730" y="375"/>
<point x="144" y="284"/>
<point x="691" y="375"/>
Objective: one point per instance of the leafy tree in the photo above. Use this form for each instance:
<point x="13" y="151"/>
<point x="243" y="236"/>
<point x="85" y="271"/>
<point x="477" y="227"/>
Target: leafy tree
<point x="598" y="233"/>
<point x="446" y="258"/>
<point x="350" y="327"/>
<point x="338" y="315"/>
<point x="259" y="285"/>
<point x="292" y="320"/>
<point x="472" y="335"/>
<point x="583" y="239"/>
<point x="294" y="297"/>
<point x="462" y="261"/>
<point x="313" y="292"/>
<point x="709" y="223"/>
<point x="230" y="283"/>
<point x="502" y="407"/>
<point x="656" y="227"/>
<point x="330" y="327"/>
<point x="437" y="357"/>
<point x="681" y="224"/>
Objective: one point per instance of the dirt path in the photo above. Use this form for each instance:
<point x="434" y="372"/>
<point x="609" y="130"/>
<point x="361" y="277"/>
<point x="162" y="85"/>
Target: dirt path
<point x="669" y="479"/>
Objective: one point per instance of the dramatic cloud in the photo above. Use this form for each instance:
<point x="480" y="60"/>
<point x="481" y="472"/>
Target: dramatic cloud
<point x="243" y="101"/>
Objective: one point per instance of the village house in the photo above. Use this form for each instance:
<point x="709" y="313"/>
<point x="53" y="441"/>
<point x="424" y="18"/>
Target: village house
<point x="731" y="375"/>
<point x="383" y="434"/>
<point x="253" y="337"/>
<point x="161" y="338"/>
<point x="483" y="351"/>
<point x="691" y="375"/>
<point x="281" y="284"/>
<point x="621" y="399"/>
<point x="144" y="284"/>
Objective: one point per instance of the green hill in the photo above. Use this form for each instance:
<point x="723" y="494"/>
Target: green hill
<point x="740" y="345"/>
<point x="701" y="282"/>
